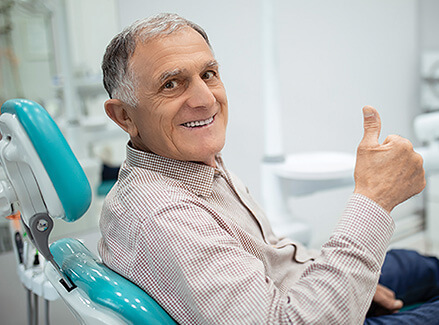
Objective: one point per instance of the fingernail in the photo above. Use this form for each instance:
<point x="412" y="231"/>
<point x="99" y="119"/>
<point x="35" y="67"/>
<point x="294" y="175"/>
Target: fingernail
<point x="398" y="304"/>
<point x="368" y="111"/>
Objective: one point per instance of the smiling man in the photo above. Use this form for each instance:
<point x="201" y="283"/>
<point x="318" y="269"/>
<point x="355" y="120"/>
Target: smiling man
<point x="187" y="231"/>
<point x="182" y="103"/>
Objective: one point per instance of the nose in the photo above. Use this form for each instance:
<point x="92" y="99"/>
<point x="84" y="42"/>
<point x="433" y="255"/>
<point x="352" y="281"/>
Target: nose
<point x="200" y="95"/>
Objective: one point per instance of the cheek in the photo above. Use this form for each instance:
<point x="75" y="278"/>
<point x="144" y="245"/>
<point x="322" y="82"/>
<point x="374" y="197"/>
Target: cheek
<point x="221" y="97"/>
<point x="224" y="109"/>
<point x="158" y="124"/>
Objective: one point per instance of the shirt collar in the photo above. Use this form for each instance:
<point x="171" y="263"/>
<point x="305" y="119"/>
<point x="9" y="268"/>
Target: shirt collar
<point x="198" y="177"/>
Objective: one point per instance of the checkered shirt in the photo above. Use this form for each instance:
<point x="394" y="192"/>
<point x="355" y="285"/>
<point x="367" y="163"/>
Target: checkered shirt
<point x="193" y="238"/>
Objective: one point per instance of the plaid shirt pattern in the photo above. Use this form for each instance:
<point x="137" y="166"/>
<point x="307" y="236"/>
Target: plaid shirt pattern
<point x="193" y="238"/>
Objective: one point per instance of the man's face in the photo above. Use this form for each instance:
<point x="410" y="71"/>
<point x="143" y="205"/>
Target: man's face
<point x="182" y="107"/>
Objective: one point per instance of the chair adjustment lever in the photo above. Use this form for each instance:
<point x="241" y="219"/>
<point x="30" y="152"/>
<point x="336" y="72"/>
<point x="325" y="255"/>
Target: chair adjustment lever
<point x="40" y="227"/>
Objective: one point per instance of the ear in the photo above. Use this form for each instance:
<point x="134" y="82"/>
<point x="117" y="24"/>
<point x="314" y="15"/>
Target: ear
<point x="121" y="114"/>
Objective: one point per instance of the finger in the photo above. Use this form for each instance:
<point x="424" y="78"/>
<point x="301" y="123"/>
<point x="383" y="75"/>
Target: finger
<point x="398" y="304"/>
<point x="372" y="126"/>
<point x="391" y="138"/>
<point x="386" y="298"/>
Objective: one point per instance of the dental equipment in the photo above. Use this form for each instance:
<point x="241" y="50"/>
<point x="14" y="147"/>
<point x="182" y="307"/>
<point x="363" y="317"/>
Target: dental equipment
<point x="45" y="181"/>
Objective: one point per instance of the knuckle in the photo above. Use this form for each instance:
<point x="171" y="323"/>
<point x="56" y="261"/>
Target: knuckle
<point x="422" y="182"/>
<point x="408" y="144"/>
<point x="404" y="144"/>
<point x="393" y="137"/>
<point x="403" y="141"/>
<point x="419" y="159"/>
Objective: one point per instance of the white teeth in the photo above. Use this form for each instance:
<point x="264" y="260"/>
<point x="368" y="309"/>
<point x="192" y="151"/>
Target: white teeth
<point x="198" y="123"/>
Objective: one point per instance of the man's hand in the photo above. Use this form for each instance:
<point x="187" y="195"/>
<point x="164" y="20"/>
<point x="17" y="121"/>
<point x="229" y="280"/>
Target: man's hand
<point x="387" y="173"/>
<point x="384" y="302"/>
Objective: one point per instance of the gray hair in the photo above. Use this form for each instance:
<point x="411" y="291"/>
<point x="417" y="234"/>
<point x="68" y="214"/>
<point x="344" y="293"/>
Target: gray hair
<point x="119" y="81"/>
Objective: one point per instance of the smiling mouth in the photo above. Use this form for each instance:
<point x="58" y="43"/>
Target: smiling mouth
<point x="197" y="124"/>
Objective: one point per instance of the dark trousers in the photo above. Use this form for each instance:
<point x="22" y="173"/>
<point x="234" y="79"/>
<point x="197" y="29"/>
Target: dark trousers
<point x="414" y="279"/>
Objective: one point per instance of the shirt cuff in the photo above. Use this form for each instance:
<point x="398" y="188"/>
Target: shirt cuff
<point x="367" y="223"/>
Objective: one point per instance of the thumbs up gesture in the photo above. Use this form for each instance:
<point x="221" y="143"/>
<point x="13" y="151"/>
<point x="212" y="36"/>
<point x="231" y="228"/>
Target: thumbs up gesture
<point x="387" y="173"/>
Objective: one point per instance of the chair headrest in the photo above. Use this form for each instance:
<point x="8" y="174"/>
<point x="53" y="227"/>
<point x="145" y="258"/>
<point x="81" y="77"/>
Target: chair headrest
<point x="62" y="167"/>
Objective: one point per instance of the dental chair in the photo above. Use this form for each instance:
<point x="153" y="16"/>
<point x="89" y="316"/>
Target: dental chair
<point x="44" y="181"/>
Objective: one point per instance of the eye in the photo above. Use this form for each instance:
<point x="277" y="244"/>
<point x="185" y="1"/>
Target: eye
<point x="170" y="84"/>
<point x="209" y="75"/>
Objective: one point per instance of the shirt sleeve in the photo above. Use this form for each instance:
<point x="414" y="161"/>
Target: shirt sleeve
<point x="339" y="286"/>
<point x="201" y="274"/>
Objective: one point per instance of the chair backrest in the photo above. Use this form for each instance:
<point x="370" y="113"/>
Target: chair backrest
<point x="112" y="299"/>
<point x="46" y="181"/>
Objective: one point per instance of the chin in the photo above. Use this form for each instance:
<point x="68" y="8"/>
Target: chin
<point x="206" y="156"/>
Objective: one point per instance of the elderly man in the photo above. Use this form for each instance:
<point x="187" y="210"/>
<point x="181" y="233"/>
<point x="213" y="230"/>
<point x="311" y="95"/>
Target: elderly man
<point x="182" y="227"/>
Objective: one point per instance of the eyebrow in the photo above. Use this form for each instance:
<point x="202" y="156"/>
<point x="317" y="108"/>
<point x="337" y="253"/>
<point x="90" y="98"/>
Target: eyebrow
<point x="172" y="73"/>
<point x="211" y="64"/>
<point x="169" y="74"/>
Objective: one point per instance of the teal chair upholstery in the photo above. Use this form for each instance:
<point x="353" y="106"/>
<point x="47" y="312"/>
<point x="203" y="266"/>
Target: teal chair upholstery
<point x="106" y="287"/>
<point x="46" y="181"/>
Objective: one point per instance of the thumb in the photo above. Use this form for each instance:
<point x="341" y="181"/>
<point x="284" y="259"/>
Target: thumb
<point x="372" y="126"/>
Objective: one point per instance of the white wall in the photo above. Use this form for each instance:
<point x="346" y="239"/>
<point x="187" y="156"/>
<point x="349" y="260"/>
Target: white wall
<point x="335" y="57"/>
<point x="339" y="56"/>
<point x="429" y="25"/>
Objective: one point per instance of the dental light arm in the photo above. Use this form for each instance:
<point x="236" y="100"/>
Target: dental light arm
<point x="33" y="157"/>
